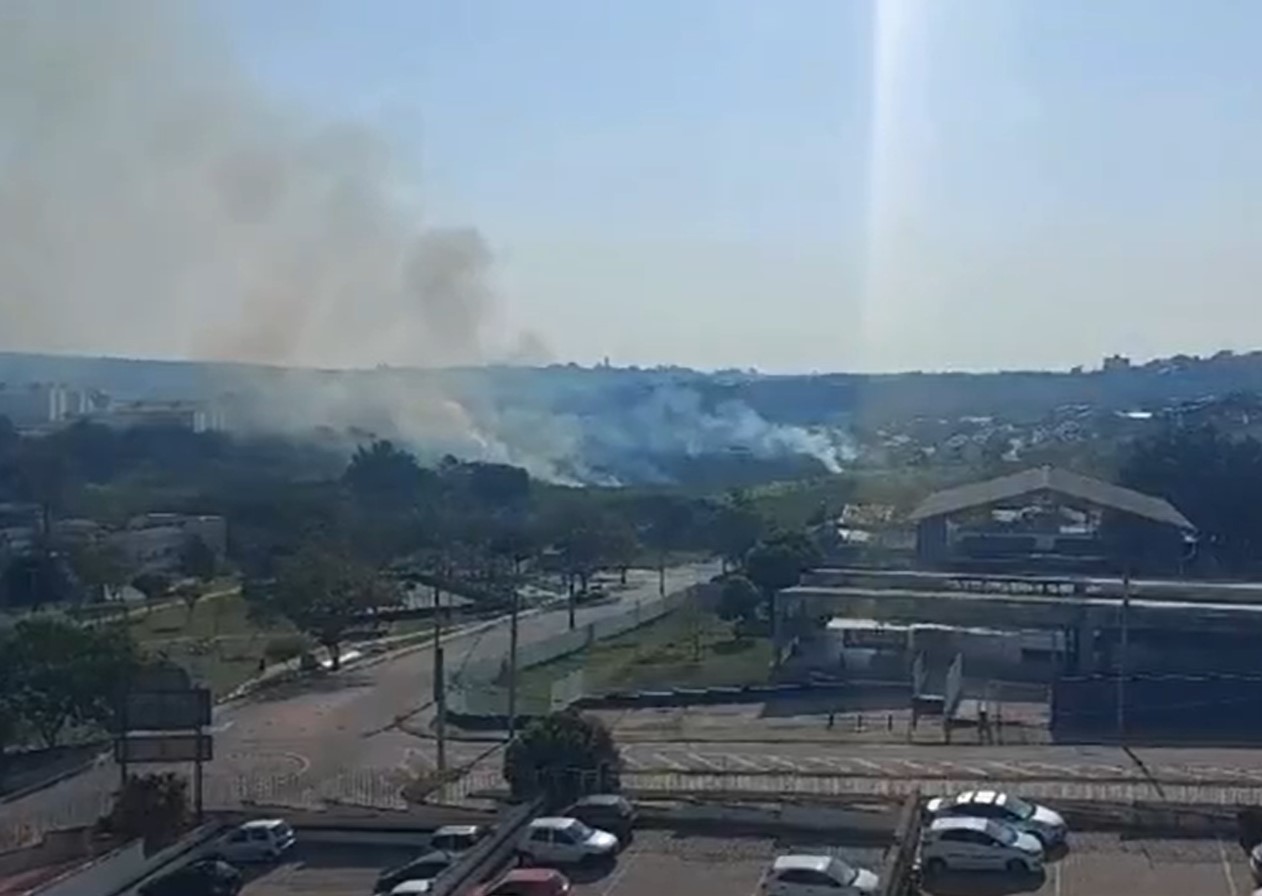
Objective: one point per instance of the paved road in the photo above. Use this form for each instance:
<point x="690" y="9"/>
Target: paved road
<point x="335" y="737"/>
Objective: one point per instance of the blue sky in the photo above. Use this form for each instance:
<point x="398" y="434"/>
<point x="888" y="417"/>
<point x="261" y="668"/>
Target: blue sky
<point x="819" y="184"/>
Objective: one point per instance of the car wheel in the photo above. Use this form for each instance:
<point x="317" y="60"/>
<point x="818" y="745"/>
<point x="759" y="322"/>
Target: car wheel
<point x="1016" y="866"/>
<point x="935" y="865"/>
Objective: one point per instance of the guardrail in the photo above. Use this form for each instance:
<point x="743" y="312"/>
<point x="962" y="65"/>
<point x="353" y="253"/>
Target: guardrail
<point x="898" y="874"/>
<point x="489" y="855"/>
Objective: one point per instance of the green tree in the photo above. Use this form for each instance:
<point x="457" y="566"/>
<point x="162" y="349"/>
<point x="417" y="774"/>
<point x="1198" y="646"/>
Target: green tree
<point x="385" y="476"/>
<point x="563" y="756"/>
<point x="154" y="808"/>
<point x="739" y="601"/>
<point x="197" y="559"/>
<point x="325" y="592"/>
<point x="737" y="526"/>
<point x="153" y="585"/>
<point x="64" y="673"/>
<point x="779" y="563"/>
<point x="100" y="566"/>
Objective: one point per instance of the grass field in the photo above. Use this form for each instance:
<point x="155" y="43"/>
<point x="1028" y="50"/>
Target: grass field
<point x="687" y="648"/>
<point x="218" y="643"/>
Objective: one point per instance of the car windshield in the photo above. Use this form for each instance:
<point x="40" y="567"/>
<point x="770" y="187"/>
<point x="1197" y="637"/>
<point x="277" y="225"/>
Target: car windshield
<point x="1003" y="833"/>
<point x="1019" y="807"/>
<point x="579" y="831"/>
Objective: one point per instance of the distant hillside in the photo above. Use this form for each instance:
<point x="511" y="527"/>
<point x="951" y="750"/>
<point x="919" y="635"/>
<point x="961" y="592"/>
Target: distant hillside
<point x="628" y="424"/>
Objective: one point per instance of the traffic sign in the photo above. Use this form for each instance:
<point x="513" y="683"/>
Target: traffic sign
<point x="137" y="748"/>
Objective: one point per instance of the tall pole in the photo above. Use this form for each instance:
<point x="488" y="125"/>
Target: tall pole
<point x="440" y="682"/>
<point x="1121" y="655"/>
<point x="512" y="667"/>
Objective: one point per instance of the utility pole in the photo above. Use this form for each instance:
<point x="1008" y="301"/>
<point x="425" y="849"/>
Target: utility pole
<point x="1124" y="644"/>
<point x="440" y="682"/>
<point x="512" y="666"/>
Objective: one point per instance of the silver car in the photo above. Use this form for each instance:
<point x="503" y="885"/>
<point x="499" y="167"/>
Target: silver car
<point x="994" y="805"/>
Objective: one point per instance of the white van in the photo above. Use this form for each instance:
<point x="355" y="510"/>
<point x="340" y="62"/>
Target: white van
<point x="564" y="841"/>
<point x="979" y="844"/>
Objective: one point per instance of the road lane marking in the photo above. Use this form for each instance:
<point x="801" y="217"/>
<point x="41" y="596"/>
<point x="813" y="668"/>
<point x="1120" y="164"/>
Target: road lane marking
<point x="1056" y="869"/>
<point x="704" y="760"/>
<point x="1231" y="881"/>
<point x="628" y="858"/>
<point x="740" y="760"/>
<point x="870" y="765"/>
<point x="781" y="762"/>
<point x="670" y="763"/>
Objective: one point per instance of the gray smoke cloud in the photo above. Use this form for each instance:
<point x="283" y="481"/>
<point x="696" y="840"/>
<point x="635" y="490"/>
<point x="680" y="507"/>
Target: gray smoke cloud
<point x="156" y="203"/>
<point x="153" y="202"/>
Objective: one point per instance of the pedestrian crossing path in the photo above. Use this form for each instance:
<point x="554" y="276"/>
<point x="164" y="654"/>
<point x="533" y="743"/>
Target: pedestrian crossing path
<point x="660" y="758"/>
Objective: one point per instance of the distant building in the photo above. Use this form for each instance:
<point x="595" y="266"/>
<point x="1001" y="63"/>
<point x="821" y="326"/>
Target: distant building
<point x="153" y="542"/>
<point x="196" y="416"/>
<point x="33" y="404"/>
<point x="1045" y="518"/>
<point x="1116" y="362"/>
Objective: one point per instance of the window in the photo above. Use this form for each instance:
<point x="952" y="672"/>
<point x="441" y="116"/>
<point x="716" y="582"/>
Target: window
<point x="540" y="836"/>
<point x="796" y="876"/>
<point x="820" y="879"/>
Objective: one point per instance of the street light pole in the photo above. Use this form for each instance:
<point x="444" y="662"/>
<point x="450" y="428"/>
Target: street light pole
<point x="512" y="666"/>
<point x="440" y="682"/>
<point x="1124" y="645"/>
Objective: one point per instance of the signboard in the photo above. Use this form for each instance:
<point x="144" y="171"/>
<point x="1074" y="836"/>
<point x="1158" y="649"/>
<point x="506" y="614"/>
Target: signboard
<point x="164" y="748"/>
<point x="167" y="710"/>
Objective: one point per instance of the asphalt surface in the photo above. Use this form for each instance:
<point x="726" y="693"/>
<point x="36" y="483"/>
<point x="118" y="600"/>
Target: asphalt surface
<point x="337" y="737"/>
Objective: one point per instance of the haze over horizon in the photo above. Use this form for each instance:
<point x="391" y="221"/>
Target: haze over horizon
<point x="807" y="185"/>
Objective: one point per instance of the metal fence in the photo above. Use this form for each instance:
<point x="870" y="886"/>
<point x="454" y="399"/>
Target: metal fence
<point x="481" y="688"/>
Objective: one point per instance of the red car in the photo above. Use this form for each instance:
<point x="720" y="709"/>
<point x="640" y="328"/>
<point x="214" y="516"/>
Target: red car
<point x="527" y="882"/>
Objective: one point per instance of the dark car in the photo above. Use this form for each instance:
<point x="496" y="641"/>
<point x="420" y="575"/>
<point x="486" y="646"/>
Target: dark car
<point x="427" y="867"/>
<point x="205" y="877"/>
<point x="605" y="812"/>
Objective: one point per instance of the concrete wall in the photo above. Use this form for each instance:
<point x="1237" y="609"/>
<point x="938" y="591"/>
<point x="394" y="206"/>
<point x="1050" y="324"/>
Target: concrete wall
<point x="54" y="848"/>
<point x="118" y="872"/>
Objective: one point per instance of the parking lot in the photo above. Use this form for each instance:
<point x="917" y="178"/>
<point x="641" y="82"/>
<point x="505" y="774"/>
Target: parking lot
<point x="664" y="862"/>
<point x="324" y="870"/>
<point x="659" y="862"/>
<point x="1099" y="864"/>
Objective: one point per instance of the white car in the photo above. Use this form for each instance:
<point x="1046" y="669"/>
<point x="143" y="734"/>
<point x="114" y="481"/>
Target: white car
<point x="1032" y="818"/>
<point x="564" y="841"/>
<point x="1255" y="863"/>
<point x="457" y="838"/>
<point x="262" y="840"/>
<point x="979" y="844"/>
<point x="412" y="888"/>
<point x="803" y="875"/>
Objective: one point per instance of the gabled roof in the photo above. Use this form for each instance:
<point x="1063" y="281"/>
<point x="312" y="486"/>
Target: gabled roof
<point x="1084" y="488"/>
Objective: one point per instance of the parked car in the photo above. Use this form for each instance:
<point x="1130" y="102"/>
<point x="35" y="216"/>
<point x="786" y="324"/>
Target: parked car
<point x="1255" y="863"/>
<point x="205" y="877"/>
<point x="979" y="844"/>
<point x="606" y="812"/>
<point x="1032" y="818"/>
<point x="457" y="838"/>
<point x="564" y="841"/>
<point x="412" y="887"/>
<point x="427" y="867"/>
<point x="261" y="840"/>
<point x="527" y="882"/>
<point x="805" y="875"/>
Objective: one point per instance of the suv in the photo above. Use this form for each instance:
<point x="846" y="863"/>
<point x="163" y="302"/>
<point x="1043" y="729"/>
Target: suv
<point x="606" y="812"/>
<point x="262" y="840"/>
<point x="556" y="841"/>
<point x="205" y="877"/>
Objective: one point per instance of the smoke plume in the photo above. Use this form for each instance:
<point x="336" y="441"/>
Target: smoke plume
<point x="154" y="202"/>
